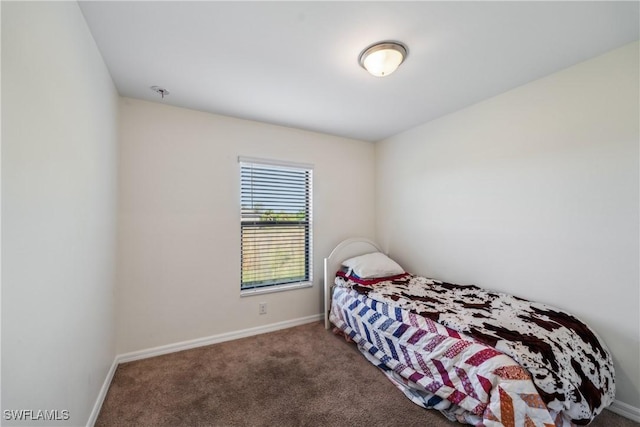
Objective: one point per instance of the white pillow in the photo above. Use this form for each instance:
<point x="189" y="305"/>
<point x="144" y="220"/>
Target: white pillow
<point x="373" y="265"/>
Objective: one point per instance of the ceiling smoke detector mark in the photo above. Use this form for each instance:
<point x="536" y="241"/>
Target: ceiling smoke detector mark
<point x="162" y="91"/>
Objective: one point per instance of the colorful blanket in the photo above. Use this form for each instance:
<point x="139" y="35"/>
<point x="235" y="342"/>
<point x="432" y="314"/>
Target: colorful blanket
<point x="571" y="368"/>
<point x="490" y="388"/>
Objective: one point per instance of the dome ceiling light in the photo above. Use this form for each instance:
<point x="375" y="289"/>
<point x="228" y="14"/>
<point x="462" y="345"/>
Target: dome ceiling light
<point x="383" y="58"/>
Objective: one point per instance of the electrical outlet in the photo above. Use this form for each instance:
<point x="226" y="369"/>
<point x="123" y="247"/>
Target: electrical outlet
<point x="262" y="308"/>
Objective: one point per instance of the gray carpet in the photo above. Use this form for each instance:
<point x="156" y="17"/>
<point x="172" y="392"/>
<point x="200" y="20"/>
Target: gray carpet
<point x="303" y="376"/>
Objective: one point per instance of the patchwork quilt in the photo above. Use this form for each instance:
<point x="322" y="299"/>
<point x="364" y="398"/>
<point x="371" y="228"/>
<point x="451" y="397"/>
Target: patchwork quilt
<point x="477" y="384"/>
<point x="567" y="368"/>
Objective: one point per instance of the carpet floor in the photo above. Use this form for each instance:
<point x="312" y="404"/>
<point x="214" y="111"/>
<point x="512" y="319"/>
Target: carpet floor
<point x="303" y="376"/>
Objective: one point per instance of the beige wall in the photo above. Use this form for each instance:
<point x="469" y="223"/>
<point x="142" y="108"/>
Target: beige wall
<point x="179" y="240"/>
<point x="59" y="141"/>
<point x="533" y="192"/>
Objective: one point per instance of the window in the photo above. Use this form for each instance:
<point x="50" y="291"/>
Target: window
<point x="275" y="225"/>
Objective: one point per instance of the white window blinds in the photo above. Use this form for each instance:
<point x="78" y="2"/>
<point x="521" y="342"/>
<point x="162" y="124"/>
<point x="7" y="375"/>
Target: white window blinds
<point x="275" y="224"/>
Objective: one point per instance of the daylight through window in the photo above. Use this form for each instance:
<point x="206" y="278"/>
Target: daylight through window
<point x="275" y="224"/>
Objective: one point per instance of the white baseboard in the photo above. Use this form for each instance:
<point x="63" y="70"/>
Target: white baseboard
<point x="625" y="410"/>
<point x="214" y="339"/>
<point x="103" y="393"/>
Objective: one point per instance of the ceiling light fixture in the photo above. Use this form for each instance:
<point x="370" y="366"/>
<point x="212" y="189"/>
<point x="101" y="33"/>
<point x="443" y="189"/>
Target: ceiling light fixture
<point x="383" y="58"/>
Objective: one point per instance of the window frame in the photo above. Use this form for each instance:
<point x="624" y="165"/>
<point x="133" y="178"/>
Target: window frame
<point x="244" y="162"/>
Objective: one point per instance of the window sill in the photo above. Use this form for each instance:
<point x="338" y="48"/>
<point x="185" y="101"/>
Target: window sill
<point x="275" y="288"/>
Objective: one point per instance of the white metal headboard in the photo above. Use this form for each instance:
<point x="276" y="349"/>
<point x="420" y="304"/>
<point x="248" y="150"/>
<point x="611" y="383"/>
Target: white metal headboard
<point x="344" y="250"/>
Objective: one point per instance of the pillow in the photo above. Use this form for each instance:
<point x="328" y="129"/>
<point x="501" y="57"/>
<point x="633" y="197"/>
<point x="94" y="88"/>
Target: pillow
<point x="369" y="282"/>
<point x="373" y="265"/>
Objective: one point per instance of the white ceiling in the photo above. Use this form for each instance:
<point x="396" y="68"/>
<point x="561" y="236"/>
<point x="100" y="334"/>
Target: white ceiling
<point x="296" y="63"/>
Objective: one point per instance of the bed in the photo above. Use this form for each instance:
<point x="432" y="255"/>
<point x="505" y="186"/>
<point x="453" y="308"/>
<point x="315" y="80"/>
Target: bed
<point x="480" y="357"/>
